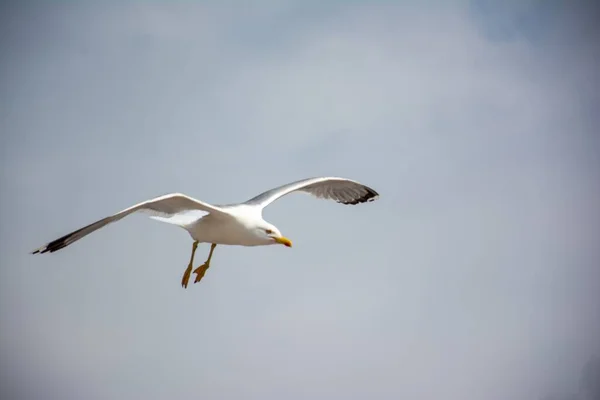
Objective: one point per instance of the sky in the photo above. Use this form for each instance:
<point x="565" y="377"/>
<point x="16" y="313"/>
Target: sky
<point x="474" y="276"/>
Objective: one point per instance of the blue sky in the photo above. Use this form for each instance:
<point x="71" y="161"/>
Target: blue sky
<point x="474" y="276"/>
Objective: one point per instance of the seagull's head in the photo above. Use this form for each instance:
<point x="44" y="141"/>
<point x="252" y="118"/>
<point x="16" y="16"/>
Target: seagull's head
<point x="272" y="235"/>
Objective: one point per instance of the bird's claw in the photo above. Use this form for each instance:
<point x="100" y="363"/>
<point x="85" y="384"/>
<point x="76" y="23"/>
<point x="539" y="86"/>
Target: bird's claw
<point x="186" y="276"/>
<point x="200" y="271"/>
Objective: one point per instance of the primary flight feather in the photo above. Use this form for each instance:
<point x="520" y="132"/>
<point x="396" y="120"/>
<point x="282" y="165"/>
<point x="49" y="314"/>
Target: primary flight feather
<point x="232" y="224"/>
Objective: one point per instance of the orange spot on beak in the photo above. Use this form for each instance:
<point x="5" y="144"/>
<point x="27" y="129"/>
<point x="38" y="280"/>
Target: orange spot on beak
<point x="284" y="241"/>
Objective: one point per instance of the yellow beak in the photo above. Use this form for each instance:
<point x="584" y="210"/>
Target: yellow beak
<point x="284" y="241"/>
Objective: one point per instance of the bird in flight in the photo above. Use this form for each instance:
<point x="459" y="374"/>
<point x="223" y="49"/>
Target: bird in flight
<point x="239" y="224"/>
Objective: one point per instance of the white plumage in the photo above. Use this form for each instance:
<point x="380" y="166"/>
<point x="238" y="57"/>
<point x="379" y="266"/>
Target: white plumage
<point x="232" y="224"/>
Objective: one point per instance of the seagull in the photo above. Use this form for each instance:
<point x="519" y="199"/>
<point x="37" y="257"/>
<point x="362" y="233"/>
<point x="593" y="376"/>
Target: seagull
<point x="238" y="224"/>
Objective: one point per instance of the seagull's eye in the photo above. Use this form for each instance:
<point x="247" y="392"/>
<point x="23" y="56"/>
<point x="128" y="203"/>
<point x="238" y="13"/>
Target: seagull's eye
<point x="268" y="231"/>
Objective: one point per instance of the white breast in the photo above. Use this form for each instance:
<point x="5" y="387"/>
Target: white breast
<point x="237" y="230"/>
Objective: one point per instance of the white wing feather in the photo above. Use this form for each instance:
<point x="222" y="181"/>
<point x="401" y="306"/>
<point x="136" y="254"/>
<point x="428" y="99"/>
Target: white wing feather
<point x="341" y="190"/>
<point x="167" y="207"/>
<point x="182" y="219"/>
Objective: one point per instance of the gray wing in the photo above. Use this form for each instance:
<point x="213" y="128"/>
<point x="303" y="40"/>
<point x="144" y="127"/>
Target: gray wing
<point x="167" y="205"/>
<point x="341" y="190"/>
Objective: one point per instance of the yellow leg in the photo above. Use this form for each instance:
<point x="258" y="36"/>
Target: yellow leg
<point x="188" y="271"/>
<point x="201" y="270"/>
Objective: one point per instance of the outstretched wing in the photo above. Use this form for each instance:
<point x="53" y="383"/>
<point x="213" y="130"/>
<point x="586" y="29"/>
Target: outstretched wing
<point x="167" y="205"/>
<point x="341" y="190"/>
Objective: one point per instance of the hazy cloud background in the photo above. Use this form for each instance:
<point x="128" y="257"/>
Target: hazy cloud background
<point x="475" y="276"/>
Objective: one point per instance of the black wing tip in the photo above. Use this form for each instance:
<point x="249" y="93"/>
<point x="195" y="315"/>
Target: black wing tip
<point x="52" y="246"/>
<point x="59" y="243"/>
<point x="41" y="250"/>
<point x="368" y="197"/>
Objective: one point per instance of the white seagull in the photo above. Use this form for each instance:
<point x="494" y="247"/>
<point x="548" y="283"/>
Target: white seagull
<point x="231" y="224"/>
